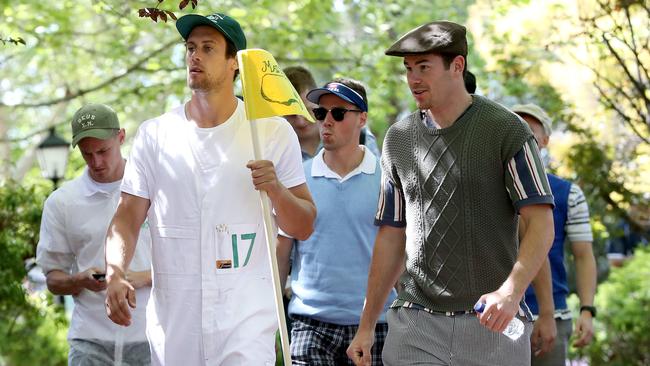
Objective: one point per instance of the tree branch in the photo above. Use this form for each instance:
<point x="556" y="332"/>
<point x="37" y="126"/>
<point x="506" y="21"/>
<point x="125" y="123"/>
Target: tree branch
<point x="101" y="85"/>
<point x="622" y="114"/>
<point x="316" y="60"/>
<point x="638" y="83"/>
<point x="619" y="89"/>
<point x="122" y="94"/>
<point x="640" y="88"/>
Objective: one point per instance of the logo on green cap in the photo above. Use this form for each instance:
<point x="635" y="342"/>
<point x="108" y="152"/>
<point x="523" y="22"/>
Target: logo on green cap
<point x="94" y="120"/>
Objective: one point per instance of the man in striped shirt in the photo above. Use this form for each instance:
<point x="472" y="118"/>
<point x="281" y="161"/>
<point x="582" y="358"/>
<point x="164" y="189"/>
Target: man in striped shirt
<point x="456" y="176"/>
<point x="571" y="217"/>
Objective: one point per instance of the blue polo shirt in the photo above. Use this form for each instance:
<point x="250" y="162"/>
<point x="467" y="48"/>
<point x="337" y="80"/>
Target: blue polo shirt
<point x="329" y="275"/>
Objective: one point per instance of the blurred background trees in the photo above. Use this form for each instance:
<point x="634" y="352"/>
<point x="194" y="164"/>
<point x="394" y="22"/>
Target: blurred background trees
<point x="585" y="61"/>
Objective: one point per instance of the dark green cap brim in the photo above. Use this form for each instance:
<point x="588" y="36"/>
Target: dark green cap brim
<point x="98" y="133"/>
<point x="226" y="26"/>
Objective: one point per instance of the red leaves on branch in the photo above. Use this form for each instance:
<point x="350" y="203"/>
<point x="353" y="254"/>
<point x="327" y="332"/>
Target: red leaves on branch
<point x="184" y="3"/>
<point x="155" y="13"/>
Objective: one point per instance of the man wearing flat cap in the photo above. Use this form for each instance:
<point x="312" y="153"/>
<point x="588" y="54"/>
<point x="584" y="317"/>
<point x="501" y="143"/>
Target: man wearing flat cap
<point x="457" y="174"/>
<point x="192" y="173"/>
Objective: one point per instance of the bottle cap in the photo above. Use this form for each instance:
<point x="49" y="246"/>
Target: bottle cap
<point x="479" y="307"/>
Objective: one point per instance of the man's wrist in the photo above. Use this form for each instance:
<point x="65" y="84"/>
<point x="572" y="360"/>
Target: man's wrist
<point x="113" y="271"/>
<point x="77" y="283"/>
<point x="366" y="325"/>
<point x="547" y="314"/>
<point x="588" y="308"/>
<point x="278" y="192"/>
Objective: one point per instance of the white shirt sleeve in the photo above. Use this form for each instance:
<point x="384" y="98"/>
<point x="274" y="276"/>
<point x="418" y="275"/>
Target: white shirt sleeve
<point x="53" y="251"/>
<point x="577" y="224"/>
<point x="137" y="173"/>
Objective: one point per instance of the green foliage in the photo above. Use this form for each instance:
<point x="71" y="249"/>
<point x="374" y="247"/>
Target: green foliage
<point x="622" y="329"/>
<point x="38" y="335"/>
<point x="80" y="51"/>
<point x="20" y="215"/>
<point x="601" y="103"/>
<point x="32" y="329"/>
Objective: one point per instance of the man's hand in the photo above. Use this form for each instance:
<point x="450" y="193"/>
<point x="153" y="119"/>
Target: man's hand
<point x="500" y="308"/>
<point x="86" y="280"/>
<point x="584" y="330"/>
<point x="544" y="334"/>
<point x="120" y="294"/>
<point x="264" y="177"/>
<point x="359" y="349"/>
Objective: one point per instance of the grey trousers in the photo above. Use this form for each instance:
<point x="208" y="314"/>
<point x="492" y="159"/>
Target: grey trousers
<point x="557" y="356"/>
<point x="416" y="337"/>
<point x="93" y="352"/>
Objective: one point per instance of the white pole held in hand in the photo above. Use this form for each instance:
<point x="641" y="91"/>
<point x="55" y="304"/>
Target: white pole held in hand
<point x="270" y="240"/>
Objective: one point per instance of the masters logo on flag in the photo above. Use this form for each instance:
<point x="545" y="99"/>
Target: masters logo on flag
<point x="267" y="91"/>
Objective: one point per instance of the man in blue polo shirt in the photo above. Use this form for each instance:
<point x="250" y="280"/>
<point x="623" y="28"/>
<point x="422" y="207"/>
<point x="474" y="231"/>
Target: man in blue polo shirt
<point x="330" y="269"/>
<point x="571" y="219"/>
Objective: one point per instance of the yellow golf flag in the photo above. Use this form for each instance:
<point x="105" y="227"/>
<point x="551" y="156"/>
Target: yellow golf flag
<point x="267" y="91"/>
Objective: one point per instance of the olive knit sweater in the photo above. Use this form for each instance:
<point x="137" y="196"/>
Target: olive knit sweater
<point x="461" y="223"/>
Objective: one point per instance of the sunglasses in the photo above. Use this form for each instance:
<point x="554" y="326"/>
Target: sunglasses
<point x="337" y="113"/>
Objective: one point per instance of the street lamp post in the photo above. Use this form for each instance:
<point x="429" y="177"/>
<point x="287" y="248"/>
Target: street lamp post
<point x="52" y="156"/>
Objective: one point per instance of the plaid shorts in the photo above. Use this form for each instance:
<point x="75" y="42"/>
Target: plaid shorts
<point x="318" y="343"/>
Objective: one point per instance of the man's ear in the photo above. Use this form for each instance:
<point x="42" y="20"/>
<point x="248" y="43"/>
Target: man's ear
<point x="544" y="141"/>
<point x="363" y="119"/>
<point x="458" y="64"/>
<point x="121" y="135"/>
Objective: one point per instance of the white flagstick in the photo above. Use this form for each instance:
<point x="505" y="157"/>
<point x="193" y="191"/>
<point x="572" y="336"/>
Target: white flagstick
<point x="268" y="229"/>
<point x="119" y="346"/>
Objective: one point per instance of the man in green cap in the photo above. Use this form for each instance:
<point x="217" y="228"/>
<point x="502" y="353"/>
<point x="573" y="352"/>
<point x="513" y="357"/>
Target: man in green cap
<point x="71" y="246"/>
<point x="457" y="173"/>
<point x="192" y="173"/>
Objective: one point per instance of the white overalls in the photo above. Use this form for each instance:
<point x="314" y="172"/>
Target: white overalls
<point x="212" y="300"/>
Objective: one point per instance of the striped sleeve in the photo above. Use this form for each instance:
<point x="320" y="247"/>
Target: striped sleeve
<point x="577" y="224"/>
<point x="526" y="179"/>
<point x="390" y="207"/>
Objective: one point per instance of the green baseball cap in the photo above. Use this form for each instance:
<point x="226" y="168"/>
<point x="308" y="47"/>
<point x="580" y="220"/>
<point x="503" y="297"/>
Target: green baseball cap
<point x="94" y="120"/>
<point x="221" y="22"/>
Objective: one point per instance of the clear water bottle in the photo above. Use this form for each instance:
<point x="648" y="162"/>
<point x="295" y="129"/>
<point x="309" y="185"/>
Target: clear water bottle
<point x="515" y="328"/>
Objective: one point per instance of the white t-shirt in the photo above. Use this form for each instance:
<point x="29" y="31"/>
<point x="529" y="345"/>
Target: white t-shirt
<point x="210" y="264"/>
<point x="73" y="231"/>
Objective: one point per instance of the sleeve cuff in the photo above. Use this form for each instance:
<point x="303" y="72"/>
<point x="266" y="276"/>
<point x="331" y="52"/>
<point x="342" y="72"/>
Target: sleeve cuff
<point x="135" y="192"/>
<point x="536" y="200"/>
<point x="390" y="223"/>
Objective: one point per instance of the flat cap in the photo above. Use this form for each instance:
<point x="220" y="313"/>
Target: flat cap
<point x="435" y="37"/>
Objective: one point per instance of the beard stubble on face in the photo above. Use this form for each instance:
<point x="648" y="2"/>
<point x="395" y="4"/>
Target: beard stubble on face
<point x="205" y="83"/>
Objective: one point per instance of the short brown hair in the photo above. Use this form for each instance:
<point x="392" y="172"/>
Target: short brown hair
<point x="231" y="52"/>
<point x="448" y="58"/>
<point x="300" y="78"/>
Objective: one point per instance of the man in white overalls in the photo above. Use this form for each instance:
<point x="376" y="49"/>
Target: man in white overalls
<point x="192" y="173"/>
